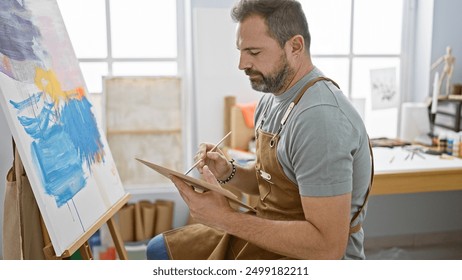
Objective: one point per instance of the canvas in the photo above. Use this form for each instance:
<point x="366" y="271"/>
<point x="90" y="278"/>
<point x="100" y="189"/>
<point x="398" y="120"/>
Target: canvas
<point x="145" y="112"/>
<point x="44" y="99"/>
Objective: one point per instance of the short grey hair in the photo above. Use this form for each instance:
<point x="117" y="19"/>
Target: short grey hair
<point x="284" y="18"/>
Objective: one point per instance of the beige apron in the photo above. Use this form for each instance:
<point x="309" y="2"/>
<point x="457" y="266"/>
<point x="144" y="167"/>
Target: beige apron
<point x="22" y="228"/>
<point x="279" y="200"/>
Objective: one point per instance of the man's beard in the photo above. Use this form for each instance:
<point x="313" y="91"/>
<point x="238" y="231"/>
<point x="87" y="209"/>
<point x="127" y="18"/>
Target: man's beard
<point x="272" y="83"/>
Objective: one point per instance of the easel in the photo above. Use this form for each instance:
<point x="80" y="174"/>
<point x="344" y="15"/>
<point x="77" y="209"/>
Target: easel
<point x="82" y="243"/>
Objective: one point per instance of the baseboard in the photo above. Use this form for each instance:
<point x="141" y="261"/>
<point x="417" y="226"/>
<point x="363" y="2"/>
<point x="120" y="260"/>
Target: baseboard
<point x="414" y="240"/>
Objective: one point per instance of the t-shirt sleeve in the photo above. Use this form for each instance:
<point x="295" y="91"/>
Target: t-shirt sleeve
<point x="322" y="144"/>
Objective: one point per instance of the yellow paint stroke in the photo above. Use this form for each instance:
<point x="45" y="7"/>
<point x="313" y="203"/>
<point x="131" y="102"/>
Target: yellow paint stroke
<point x="47" y="81"/>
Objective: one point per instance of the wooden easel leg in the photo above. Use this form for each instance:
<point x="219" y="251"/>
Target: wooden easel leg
<point x="48" y="250"/>
<point x="117" y="238"/>
<point x="85" y="251"/>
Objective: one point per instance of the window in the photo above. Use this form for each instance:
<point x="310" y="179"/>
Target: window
<point x="119" y="37"/>
<point x="139" y="37"/>
<point x="349" y="39"/>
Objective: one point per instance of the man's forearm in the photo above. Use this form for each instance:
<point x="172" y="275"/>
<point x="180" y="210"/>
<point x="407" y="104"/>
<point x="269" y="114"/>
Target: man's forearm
<point x="295" y="239"/>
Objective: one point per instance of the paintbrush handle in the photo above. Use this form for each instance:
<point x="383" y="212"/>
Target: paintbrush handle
<point x="211" y="150"/>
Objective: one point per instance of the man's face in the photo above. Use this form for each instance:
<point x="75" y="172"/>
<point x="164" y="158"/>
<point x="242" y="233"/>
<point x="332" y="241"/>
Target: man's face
<point x="261" y="57"/>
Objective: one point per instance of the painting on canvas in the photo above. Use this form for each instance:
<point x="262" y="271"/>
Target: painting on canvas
<point x="44" y="99"/>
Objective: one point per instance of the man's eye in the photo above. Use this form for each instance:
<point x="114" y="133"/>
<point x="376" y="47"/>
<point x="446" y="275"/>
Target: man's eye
<point x="254" y="53"/>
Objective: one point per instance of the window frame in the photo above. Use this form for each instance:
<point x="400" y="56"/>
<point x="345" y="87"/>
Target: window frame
<point x="404" y="56"/>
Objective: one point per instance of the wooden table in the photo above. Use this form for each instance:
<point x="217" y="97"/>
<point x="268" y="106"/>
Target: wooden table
<point x="394" y="174"/>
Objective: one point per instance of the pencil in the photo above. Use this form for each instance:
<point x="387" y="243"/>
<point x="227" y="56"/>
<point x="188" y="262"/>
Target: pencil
<point x="392" y="159"/>
<point x="211" y="150"/>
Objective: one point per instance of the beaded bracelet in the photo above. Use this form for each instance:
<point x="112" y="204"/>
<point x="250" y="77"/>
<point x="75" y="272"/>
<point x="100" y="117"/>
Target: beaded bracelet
<point x="233" y="172"/>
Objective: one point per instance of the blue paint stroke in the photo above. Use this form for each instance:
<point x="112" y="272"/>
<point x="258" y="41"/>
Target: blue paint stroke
<point x="18" y="35"/>
<point x="37" y="126"/>
<point x="80" y="124"/>
<point x="31" y="101"/>
<point x="64" y="140"/>
<point x="61" y="169"/>
<point x="58" y="161"/>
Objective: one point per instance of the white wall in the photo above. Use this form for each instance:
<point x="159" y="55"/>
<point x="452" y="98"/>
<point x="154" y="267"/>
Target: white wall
<point x="421" y="51"/>
<point x="437" y="25"/>
<point x="447" y="23"/>
<point x="216" y="72"/>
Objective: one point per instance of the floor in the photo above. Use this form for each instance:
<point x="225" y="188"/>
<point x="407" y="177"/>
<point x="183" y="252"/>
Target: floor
<point x="433" y="252"/>
<point x="429" y="252"/>
<point x="444" y="251"/>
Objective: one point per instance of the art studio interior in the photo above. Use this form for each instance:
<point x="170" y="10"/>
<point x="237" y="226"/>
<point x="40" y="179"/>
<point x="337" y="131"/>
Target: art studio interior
<point x="162" y="77"/>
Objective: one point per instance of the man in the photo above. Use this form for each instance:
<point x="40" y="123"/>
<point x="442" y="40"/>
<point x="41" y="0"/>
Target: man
<point x="313" y="167"/>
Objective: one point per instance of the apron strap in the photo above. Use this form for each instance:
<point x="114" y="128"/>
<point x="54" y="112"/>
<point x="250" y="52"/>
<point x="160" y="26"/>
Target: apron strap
<point x="299" y="96"/>
<point x="357" y="227"/>
<point x="309" y="84"/>
<point x="295" y="102"/>
<point x="14" y="158"/>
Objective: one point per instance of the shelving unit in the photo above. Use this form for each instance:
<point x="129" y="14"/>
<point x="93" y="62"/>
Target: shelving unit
<point x="449" y="114"/>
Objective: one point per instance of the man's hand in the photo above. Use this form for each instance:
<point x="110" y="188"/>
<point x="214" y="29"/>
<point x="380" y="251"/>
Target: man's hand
<point x="207" y="208"/>
<point x="216" y="161"/>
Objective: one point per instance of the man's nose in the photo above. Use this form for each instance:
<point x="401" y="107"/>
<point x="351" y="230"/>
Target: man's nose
<point x="244" y="63"/>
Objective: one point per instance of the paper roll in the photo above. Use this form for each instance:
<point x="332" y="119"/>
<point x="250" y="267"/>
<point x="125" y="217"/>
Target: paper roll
<point x="415" y="121"/>
<point x="436" y="93"/>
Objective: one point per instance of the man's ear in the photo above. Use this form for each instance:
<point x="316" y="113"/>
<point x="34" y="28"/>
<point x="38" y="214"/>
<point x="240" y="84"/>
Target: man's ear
<point x="297" y="44"/>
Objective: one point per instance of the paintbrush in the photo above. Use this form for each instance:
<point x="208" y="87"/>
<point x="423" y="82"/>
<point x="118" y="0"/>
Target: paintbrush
<point x="211" y="150"/>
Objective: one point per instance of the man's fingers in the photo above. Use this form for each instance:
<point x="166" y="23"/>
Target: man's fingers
<point x="208" y="175"/>
<point x="184" y="188"/>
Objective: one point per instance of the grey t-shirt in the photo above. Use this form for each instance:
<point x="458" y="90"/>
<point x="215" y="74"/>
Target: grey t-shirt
<point x="323" y="147"/>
